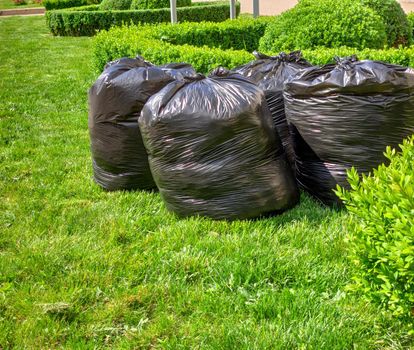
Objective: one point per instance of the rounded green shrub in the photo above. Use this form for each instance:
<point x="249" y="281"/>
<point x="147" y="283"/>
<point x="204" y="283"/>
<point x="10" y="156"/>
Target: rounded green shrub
<point x="156" y="4"/>
<point x="115" y="5"/>
<point x="410" y="18"/>
<point x="381" y="231"/>
<point x="328" y="23"/>
<point x="397" y="27"/>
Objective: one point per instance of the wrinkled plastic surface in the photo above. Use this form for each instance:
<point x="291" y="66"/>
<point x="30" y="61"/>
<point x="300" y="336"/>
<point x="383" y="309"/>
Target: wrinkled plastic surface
<point x="116" y="99"/>
<point x="270" y="73"/>
<point x="345" y="115"/>
<point x="213" y="150"/>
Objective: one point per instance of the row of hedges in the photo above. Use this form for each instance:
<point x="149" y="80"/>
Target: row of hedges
<point x="86" y="22"/>
<point x="140" y="4"/>
<point x="62" y="4"/>
<point x="127" y="42"/>
<point x="157" y="44"/>
<point x="241" y="34"/>
<point x="113" y="4"/>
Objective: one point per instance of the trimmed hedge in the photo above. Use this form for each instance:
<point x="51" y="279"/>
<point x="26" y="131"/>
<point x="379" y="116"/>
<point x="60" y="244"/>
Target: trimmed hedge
<point x="397" y="26"/>
<point x="108" y="5"/>
<point x="329" y="23"/>
<point x="403" y="56"/>
<point x="159" y="44"/>
<point x="77" y="22"/>
<point x="381" y="234"/>
<point x="410" y="18"/>
<point x="156" y="4"/>
<point x="84" y="8"/>
<point x="241" y="34"/>
<point x="130" y="41"/>
<point x="62" y="4"/>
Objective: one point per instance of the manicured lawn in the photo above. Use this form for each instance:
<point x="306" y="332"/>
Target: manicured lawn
<point x="83" y="269"/>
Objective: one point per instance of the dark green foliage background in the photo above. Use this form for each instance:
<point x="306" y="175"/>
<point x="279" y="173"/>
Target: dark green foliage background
<point x="397" y="27"/>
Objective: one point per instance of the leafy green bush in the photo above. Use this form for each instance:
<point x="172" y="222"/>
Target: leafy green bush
<point x="62" y="4"/>
<point x="403" y="56"/>
<point x="84" y="8"/>
<point x="164" y="43"/>
<point x="328" y="23"/>
<point x="108" y="5"/>
<point x="240" y="34"/>
<point x="410" y="18"/>
<point x="78" y="22"/>
<point x="133" y="40"/>
<point x="156" y="4"/>
<point x="381" y="237"/>
<point x="397" y="26"/>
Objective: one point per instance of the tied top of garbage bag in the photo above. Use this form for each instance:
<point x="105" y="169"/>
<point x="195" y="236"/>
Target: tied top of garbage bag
<point x="115" y="103"/>
<point x="271" y="72"/>
<point x="213" y="150"/>
<point x="126" y="63"/>
<point x="351" y="76"/>
<point x="125" y="85"/>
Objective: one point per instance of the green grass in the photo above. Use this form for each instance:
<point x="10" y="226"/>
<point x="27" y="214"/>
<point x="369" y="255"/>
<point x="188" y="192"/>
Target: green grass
<point x="9" y="4"/>
<point x="81" y="268"/>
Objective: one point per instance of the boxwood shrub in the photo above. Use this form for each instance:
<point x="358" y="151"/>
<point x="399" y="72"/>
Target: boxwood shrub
<point x="329" y="23"/>
<point x="133" y="40"/>
<point x="107" y="5"/>
<point x="156" y="4"/>
<point x="381" y="231"/>
<point x="396" y="23"/>
<point x="403" y="56"/>
<point x="86" y="22"/>
<point x="410" y="18"/>
<point x="206" y="45"/>
<point x="241" y="34"/>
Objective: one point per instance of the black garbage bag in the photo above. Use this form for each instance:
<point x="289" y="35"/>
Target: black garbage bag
<point x="213" y="150"/>
<point x="115" y="102"/>
<point x="270" y="73"/>
<point x="344" y="115"/>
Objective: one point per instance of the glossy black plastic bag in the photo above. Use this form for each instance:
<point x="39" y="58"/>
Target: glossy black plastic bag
<point x="270" y="73"/>
<point x="213" y="151"/>
<point x="344" y="115"/>
<point x="115" y="103"/>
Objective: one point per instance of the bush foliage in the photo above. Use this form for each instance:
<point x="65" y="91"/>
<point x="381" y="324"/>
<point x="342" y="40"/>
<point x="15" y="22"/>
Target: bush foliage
<point x="206" y="45"/>
<point x="397" y="26"/>
<point x="81" y="21"/>
<point x="156" y="4"/>
<point x="61" y="4"/>
<point x="381" y="238"/>
<point x="410" y="18"/>
<point x="328" y="23"/>
<point x="108" y="5"/>
<point x="133" y="40"/>
<point x="241" y="34"/>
